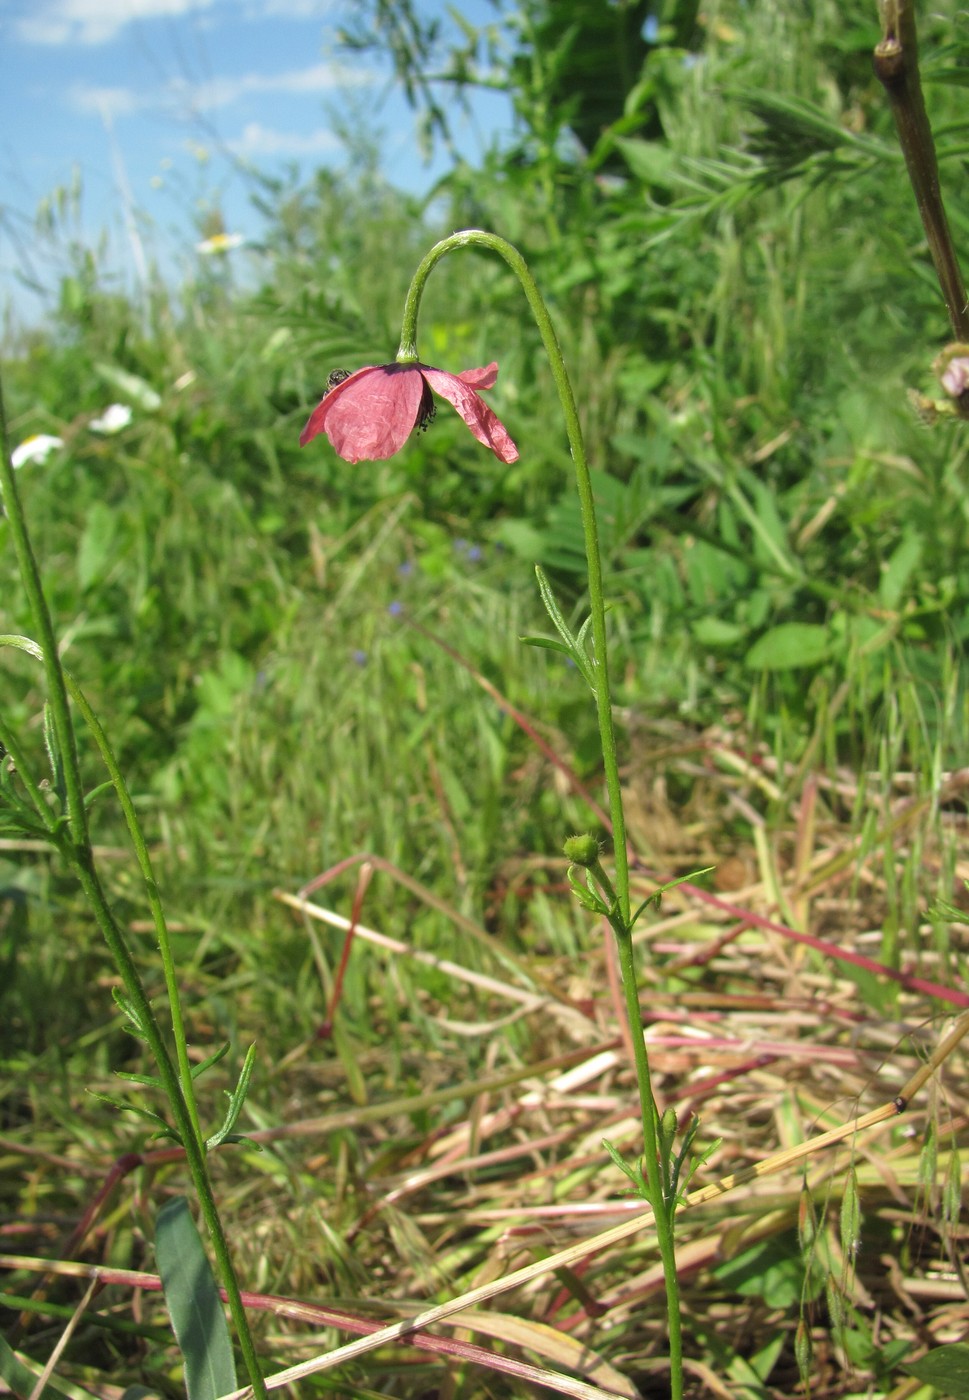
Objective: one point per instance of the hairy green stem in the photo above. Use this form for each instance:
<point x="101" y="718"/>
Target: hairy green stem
<point x="655" y="1169"/>
<point x="618" y="899"/>
<point x="154" y="900"/>
<point x="77" y="850"/>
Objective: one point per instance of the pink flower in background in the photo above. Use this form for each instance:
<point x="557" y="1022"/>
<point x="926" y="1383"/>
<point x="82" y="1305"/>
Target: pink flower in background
<point x="370" y="415"/>
<point x="955" y="380"/>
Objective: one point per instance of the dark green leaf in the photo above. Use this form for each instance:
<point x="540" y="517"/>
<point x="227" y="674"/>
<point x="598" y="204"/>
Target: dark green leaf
<point x="945" y="1367"/>
<point x="771" y="1269"/>
<point x="194" y="1304"/>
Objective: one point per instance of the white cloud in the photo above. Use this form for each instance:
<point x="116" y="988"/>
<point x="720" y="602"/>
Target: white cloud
<point x="222" y="92"/>
<point x="105" y="102"/>
<point x="259" y="140"/>
<point x="287" y="9"/>
<point x="100" y="21"/>
<point x="206" y="96"/>
<point x="95" y="21"/>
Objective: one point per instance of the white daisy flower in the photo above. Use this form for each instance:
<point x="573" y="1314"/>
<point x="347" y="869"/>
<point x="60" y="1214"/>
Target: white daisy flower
<point x="35" y="449"/>
<point x="220" y="243"/>
<point x="115" y="417"/>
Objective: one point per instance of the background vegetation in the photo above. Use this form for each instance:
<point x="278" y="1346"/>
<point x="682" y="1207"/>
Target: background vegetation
<point x="299" y="661"/>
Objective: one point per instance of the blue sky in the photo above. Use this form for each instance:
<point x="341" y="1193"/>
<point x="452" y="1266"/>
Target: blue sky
<point x="149" y="101"/>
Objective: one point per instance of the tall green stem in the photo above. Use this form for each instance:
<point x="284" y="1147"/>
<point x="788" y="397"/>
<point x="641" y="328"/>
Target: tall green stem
<point x="654" y="1167"/>
<point x="78" y="851"/>
<point x="471" y="238"/>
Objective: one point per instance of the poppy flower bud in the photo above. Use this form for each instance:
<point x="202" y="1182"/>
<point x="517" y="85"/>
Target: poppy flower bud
<point x="582" y="850"/>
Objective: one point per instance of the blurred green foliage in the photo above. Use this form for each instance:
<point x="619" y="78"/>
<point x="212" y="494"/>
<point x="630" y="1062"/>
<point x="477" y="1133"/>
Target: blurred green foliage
<point x="715" y="207"/>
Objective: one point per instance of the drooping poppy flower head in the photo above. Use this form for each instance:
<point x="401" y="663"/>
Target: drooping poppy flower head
<point x="369" y="415"/>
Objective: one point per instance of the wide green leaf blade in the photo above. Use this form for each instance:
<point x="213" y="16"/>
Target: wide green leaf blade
<point x="945" y="1367"/>
<point x="194" y="1304"/>
<point x="788" y="646"/>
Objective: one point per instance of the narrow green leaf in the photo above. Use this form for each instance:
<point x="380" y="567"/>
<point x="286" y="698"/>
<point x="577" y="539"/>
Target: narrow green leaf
<point x="54" y="755"/>
<point x="236" y="1100"/>
<point x="210" y="1060"/>
<point x="633" y="1173"/>
<point x="586" y="896"/>
<point x="8" y="639"/>
<point x="91" y="797"/>
<point x="150" y="1081"/>
<point x="570" y="645"/>
<point x="657" y="894"/>
<point x="129" y="1011"/>
<point x="553" y="609"/>
<point x="137" y="1109"/>
<point x="549" y="643"/>
<point x="194" y="1304"/>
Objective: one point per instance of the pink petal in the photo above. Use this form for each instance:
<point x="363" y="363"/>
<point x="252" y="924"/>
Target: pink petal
<point x="955" y="380"/>
<point x="485" y="425"/>
<point x="480" y="378"/>
<point x="371" y="415"/>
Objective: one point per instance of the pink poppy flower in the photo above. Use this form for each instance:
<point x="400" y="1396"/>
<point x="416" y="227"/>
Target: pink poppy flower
<point x="370" y="415"/>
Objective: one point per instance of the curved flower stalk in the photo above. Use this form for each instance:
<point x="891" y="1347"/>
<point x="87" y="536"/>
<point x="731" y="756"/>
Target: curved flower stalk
<point x="370" y="415"/>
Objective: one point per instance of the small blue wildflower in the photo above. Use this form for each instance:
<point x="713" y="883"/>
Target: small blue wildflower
<point x="395" y="608"/>
<point x="405" y="569"/>
<point x="360" y="657"/>
<point x="475" y="554"/>
<point x="650" y="30"/>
